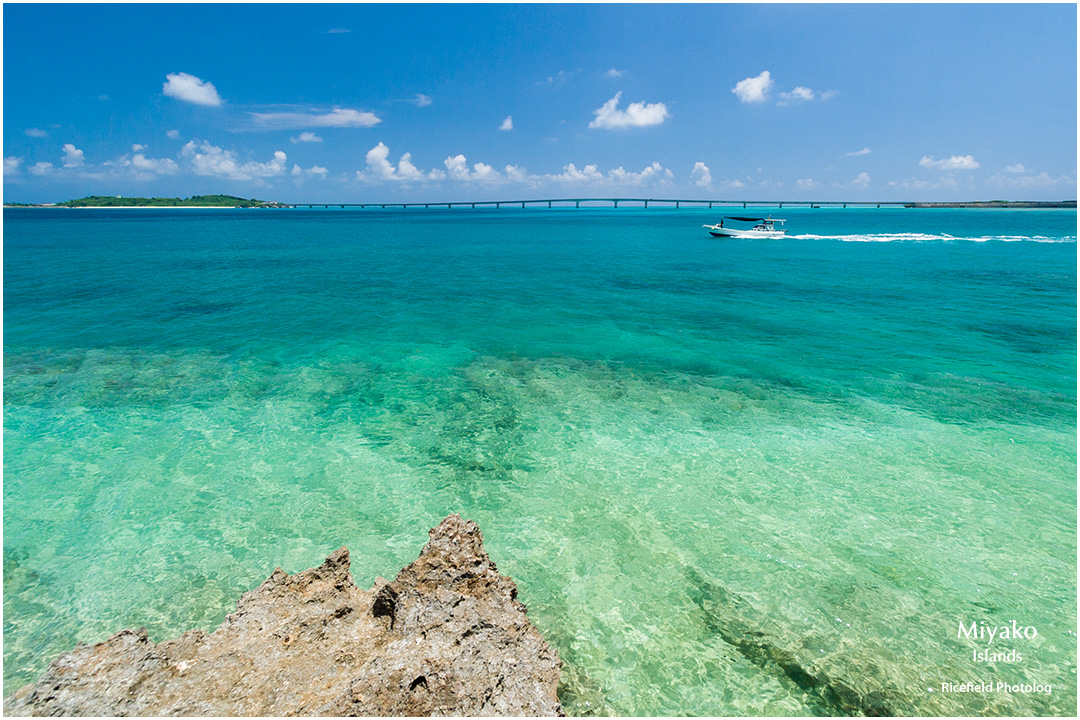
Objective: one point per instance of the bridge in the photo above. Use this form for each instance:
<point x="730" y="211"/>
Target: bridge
<point x="614" y="202"/>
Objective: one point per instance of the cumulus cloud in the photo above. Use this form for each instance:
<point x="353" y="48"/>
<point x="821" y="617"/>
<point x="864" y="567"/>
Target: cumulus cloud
<point x="653" y="173"/>
<point x="73" y="156"/>
<point x="955" y="162"/>
<point x="1042" y="180"/>
<point x="639" y="114"/>
<point x="613" y="73"/>
<point x="508" y="123"/>
<point x="306" y="137"/>
<point x="862" y="180"/>
<point x="41" y="168"/>
<point x="807" y="184"/>
<point x="12" y="166"/>
<point x="570" y="174"/>
<point x="799" y="94"/>
<point x="210" y="160"/>
<point x="299" y="174"/>
<point x="457" y="168"/>
<point x="754" y="89"/>
<point x="154" y="166"/>
<point x="189" y="88"/>
<point x="700" y="175"/>
<point x="421" y="100"/>
<point x="338" y="117"/>
<point x="518" y="175"/>
<point x="380" y="169"/>
<point x="857" y="153"/>
<point x="172" y="134"/>
<point x="35" y="132"/>
<point x="590" y="174"/>
<point x="1017" y="168"/>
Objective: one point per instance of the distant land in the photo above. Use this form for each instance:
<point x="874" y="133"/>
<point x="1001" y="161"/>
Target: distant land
<point x="231" y="201"/>
<point x="117" y="201"/>
<point x="1012" y="204"/>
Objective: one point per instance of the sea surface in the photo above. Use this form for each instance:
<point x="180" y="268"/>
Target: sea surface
<point x="730" y="477"/>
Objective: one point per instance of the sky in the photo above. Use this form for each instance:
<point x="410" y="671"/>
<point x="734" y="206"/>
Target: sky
<point x="375" y="103"/>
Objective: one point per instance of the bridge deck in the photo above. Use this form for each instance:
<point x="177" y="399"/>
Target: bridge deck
<point x="644" y="202"/>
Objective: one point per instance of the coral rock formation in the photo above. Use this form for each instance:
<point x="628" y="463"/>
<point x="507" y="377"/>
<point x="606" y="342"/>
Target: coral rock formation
<point x="446" y="637"/>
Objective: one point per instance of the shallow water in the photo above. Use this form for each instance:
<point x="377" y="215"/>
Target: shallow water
<point x="706" y="462"/>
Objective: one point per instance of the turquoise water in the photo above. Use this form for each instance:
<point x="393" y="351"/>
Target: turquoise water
<point x="730" y="477"/>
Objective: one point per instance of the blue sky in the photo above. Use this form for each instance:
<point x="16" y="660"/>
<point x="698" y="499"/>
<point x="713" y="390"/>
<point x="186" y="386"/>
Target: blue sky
<point x="355" y="103"/>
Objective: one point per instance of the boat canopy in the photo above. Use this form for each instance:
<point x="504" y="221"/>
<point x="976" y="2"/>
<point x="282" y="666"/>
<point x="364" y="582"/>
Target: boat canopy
<point x="750" y="219"/>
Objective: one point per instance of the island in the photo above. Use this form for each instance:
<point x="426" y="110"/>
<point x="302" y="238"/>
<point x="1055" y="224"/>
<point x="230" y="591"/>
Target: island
<point x="195" y="201"/>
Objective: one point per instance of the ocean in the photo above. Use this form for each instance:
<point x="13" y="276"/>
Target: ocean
<point x="730" y="477"/>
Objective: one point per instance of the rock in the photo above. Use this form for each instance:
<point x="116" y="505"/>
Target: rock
<point x="446" y="637"/>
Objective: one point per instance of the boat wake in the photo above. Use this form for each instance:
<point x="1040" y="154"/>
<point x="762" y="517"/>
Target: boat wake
<point x="924" y="237"/>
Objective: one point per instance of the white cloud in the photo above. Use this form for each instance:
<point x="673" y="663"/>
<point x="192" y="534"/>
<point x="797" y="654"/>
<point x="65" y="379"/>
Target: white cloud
<point x="912" y="184"/>
<point x="754" y="89"/>
<point x="12" y="166"/>
<point x="41" y="168"/>
<point x="457" y="169"/>
<point x="137" y="147"/>
<point x="173" y="134"/>
<point x="571" y="174"/>
<point x="35" y="132"/>
<point x="73" y="156"/>
<point x="1017" y="168"/>
<point x="313" y="171"/>
<point x="807" y="184"/>
<point x="862" y="180"/>
<point x="338" y="31"/>
<point x="508" y="123"/>
<point x="800" y="93"/>
<point x="338" y="117"/>
<point x="207" y="159"/>
<point x="306" y="137"/>
<point x="379" y="169"/>
<point x="636" y="114"/>
<point x="956" y="162"/>
<point x="700" y="175"/>
<point x="191" y="89"/>
<point x="733" y="184"/>
<point x="421" y="100"/>
<point x="154" y="166"/>
<point x="857" y="153"/>
<point x="654" y="172"/>
<point x="1043" y="179"/>
<point x="613" y="73"/>
<point x="828" y="95"/>
<point x="518" y="175"/>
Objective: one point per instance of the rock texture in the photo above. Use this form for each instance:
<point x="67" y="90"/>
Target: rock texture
<point x="446" y="637"/>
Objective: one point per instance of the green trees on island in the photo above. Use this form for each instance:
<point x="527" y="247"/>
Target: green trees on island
<point x="193" y="201"/>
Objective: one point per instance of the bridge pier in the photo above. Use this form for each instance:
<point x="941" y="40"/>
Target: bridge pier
<point x="676" y="204"/>
<point x="646" y="204"/>
<point x="577" y="203"/>
<point x="616" y="203"/>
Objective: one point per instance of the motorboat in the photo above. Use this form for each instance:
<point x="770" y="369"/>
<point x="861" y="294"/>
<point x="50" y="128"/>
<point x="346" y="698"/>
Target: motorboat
<point x="763" y="228"/>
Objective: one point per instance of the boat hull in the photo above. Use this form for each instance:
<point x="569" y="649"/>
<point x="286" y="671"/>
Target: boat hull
<point x="731" y="233"/>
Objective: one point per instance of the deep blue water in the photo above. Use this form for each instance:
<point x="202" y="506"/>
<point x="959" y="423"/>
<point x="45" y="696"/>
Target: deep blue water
<point x="864" y="432"/>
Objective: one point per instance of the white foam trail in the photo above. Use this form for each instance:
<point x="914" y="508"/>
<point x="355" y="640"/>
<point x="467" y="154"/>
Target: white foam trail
<point x="924" y="237"/>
